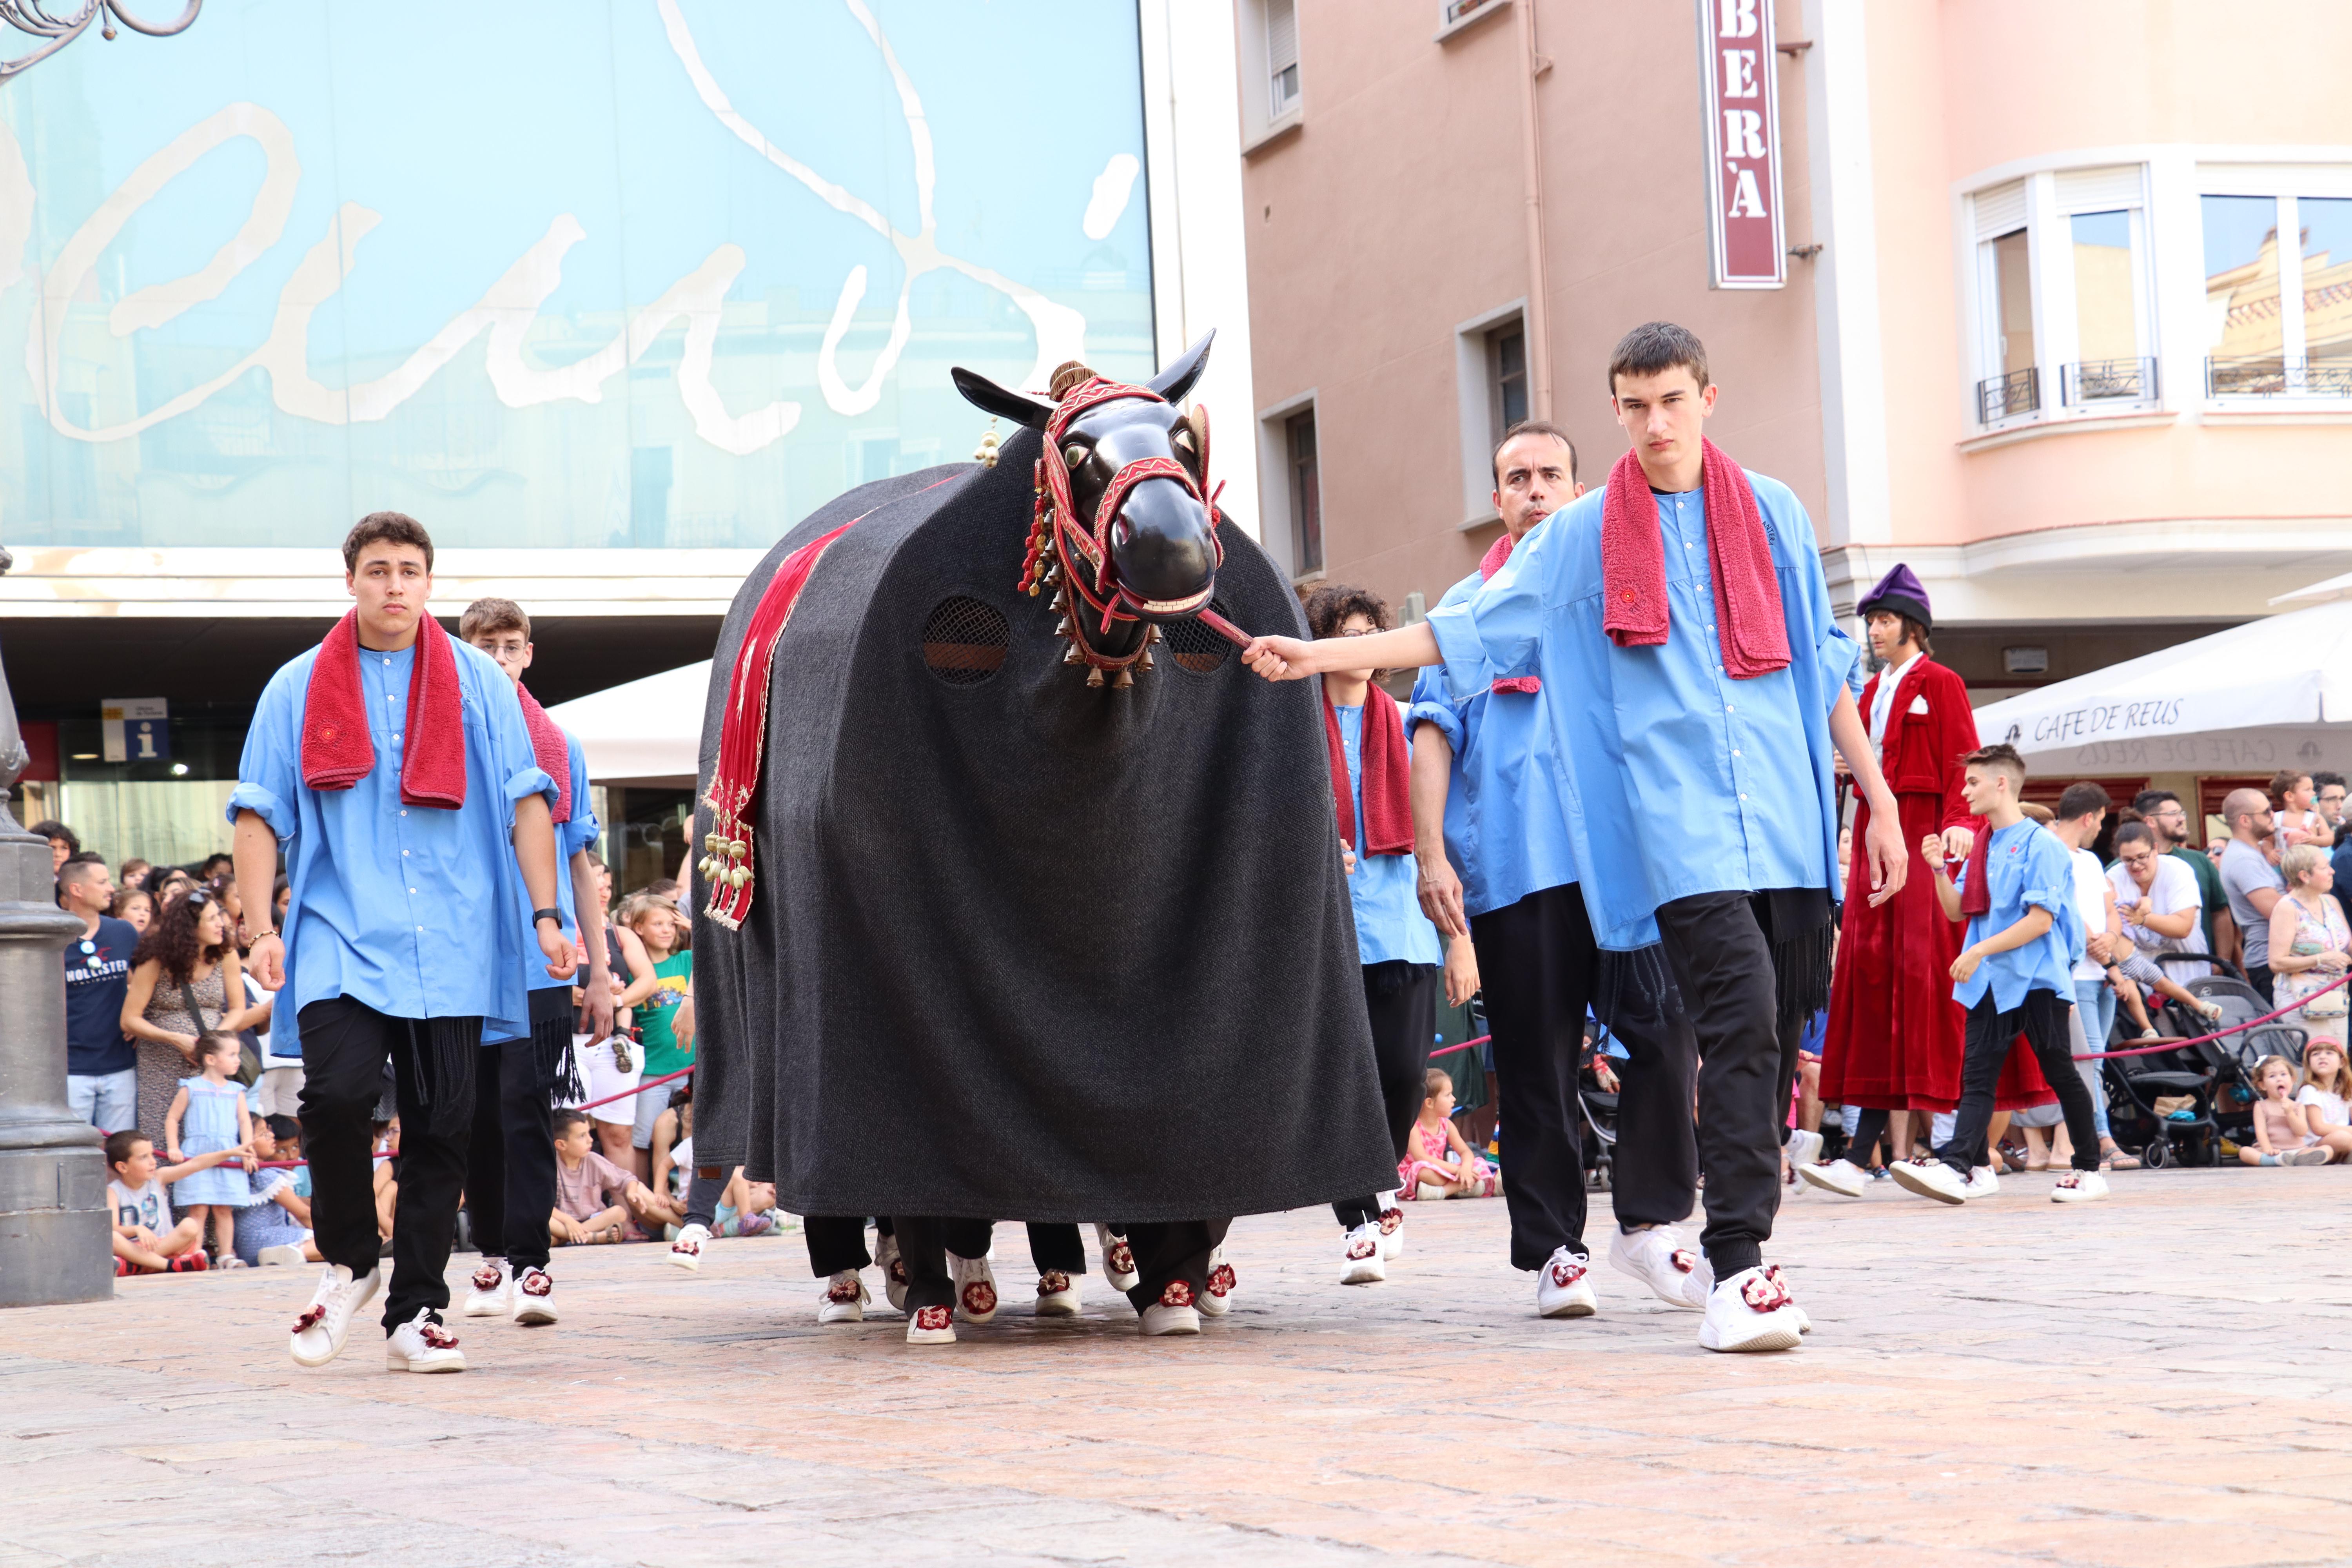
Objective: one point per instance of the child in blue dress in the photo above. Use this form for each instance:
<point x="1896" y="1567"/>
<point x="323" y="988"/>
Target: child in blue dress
<point x="208" y="1115"/>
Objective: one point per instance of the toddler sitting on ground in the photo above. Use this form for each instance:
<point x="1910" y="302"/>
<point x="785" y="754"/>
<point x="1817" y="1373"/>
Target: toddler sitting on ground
<point x="1437" y="1164"/>
<point x="594" y="1198"/>
<point x="2282" y="1134"/>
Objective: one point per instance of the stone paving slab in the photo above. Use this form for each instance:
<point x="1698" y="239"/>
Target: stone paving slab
<point x="2161" y="1379"/>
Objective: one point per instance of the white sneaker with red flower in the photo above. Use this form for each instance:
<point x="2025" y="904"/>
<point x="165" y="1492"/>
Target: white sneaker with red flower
<point x="326" y="1322"/>
<point x="1173" y="1313"/>
<point x="1657" y="1258"/>
<point x="1057" y="1294"/>
<point x="1772" y="1272"/>
<point x="894" y="1271"/>
<point x="686" y="1252"/>
<point x="2079" y="1187"/>
<point x="1564" y="1287"/>
<point x="1216" y="1300"/>
<point x="422" y="1344"/>
<point x="844" y="1298"/>
<point x="1752" y="1311"/>
<point x="534" y="1299"/>
<point x="490" y="1293"/>
<point x="1360" y="1257"/>
<point x="975" y="1287"/>
<point x="930" y="1326"/>
<point x="1392" y="1223"/>
<point x="1118" y="1260"/>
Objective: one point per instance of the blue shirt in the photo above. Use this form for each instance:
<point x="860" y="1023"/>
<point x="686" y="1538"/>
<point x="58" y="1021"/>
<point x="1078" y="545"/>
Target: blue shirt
<point x="2026" y="869"/>
<point x="1506" y="829"/>
<point x="580" y="833"/>
<point x="1388" y="922"/>
<point x="417" y="911"/>
<point x="1675" y="779"/>
<point x="98" y="974"/>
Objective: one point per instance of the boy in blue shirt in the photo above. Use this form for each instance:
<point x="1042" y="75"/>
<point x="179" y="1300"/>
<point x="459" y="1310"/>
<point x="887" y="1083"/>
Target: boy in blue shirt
<point x="2015" y="973"/>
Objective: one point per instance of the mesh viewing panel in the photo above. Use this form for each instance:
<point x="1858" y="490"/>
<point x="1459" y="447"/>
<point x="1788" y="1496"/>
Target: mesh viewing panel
<point x="964" y="640"/>
<point x="1195" y="645"/>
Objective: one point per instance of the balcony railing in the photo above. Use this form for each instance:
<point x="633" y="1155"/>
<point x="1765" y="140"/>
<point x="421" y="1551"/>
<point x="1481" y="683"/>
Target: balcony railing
<point x="2276" y="377"/>
<point x="2107" y="380"/>
<point x="2018" y="392"/>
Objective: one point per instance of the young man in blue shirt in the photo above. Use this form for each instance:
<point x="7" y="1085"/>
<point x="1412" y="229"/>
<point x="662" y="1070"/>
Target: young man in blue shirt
<point x="1486" y="796"/>
<point x="392" y="765"/>
<point x="2015" y="973"/>
<point x="510" y="1168"/>
<point x="1696" y="681"/>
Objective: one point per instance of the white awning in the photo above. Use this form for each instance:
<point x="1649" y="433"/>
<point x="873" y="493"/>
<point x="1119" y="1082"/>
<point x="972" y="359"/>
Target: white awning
<point x="643" y="731"/>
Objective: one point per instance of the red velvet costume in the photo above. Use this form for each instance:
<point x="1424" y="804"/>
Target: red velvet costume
<point x="1894" y="1032"/>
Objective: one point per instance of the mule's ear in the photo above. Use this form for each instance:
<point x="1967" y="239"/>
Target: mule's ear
<point x="991" y="398"/>
<point x="1175" y="382"/>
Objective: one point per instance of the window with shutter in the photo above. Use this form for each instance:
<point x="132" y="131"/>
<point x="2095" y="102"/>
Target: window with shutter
<point x="1282" y="56"/>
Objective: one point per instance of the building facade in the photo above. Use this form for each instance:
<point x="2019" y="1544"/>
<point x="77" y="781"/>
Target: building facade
<point x="2066" y="321"/>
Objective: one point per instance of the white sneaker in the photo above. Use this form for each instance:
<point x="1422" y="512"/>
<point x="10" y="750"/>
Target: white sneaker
<point x="1057" y="1294"/>
<point x="1657" y="1259"/>
<point x="1841" y="1176"/>
<point x="320" y="1331"/>
<point x="975" y="1284"/>
<point x="930" y="1326"/>
<point x="2315" y="1155"/>
<point x="1360" y="1257"/>
<point x="1174" y="1313"/>
<point x="844" y="1298"/>
<point x="686" y="1252"/>
<point x="1804" y="1148"/>
<point x="1564" y="1288"/>
<point x="534" y="1299"/>
<point x="1982" y="1183"/>
<point x="422" y="1344"/>
<point x="2079" y="1187"/>
<point x="1752" y="1311"/>
<point x="1217" y="1300"/>
<point x="286" y="1254"/>
<point x="893" y="1275"/>
<point x="1431" y="1192"/>
<point x="1930" y="1179"/>
<point x="1392" y="1223"/>
<point x="1118" y="1260"/>
<point x="1772" y="1272"/>
<point x="492" y="1291"/>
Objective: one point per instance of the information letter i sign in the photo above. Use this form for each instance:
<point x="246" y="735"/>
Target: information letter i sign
<point x="1740" y="90"/>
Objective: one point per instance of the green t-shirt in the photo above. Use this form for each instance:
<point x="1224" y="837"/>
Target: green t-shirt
<point x="2209" y="886"/>
<point x="657" y="1013"/>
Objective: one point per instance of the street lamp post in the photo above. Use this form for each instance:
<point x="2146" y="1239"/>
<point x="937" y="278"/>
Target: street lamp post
<point x="54" y="1231"/>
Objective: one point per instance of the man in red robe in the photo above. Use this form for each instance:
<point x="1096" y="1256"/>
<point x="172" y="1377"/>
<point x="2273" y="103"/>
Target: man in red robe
<point x="1894" y="1032"/>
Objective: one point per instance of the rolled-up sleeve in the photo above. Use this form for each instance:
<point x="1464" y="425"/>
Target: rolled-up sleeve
<point x="1840" y="662"/>
<point x="511" y="749"/>
<point x="582" y="831"/>
<point x="1431" y="705"/>
<point x="269" y="770"/>
<point x="1499" y="627"/>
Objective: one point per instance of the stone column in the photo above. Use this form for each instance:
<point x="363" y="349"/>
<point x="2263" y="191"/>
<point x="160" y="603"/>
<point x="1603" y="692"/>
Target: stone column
<point x="55" y="1240"/>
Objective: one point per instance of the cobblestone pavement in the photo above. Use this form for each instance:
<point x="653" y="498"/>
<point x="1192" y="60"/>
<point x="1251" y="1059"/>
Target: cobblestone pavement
<point x="2157" y="1380"/>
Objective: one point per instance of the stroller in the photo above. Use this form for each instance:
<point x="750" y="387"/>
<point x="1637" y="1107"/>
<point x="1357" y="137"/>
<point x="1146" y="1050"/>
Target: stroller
<point x="1599" y="1105"/>
<point x="2215" y="1075"/>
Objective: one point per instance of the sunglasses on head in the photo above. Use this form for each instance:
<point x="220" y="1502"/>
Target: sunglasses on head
<point x="196" y="898"/>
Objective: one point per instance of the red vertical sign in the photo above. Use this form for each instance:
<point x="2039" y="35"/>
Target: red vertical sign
<point x="1741" y="96"/>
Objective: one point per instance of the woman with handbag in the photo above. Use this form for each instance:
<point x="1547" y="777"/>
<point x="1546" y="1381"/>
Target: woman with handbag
<point x="2310" y="945"/>
<point x="184" y="982"/>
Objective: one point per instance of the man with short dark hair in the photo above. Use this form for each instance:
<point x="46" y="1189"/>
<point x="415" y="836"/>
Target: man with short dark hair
<point x="1695" y="680"/>
<point x="393" y="766"/>
<point x="2327" y="793"/>
<point x="2253" y="882"/>
<point x="102" y="1064"/>
<point x="2168" y="820"/>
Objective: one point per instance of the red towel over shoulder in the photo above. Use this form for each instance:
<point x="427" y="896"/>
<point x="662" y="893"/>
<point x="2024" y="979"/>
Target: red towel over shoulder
<point x="336" y="751"/>
<point x="1388" y="789"/>
<point x="1754" y="635"/>
<point x="1488" y="564"/>
<point x="1976" y="893"/>
<point x="550" y="749"/>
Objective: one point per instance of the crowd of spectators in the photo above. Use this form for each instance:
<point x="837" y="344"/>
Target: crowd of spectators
<point x="168" y="1054"/>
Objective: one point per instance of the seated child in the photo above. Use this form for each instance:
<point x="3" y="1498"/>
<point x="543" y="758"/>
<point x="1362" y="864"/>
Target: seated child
<point x="387" y="1180"/>
<point x="2132" y="973"/>
<point x="746" y="1208"/>
<point x="1437" y="1164"/>
<point x="147" y="1240"/>
<point x="594" y="1198"/>
<point x="2282" y="1134"/>
<point x="209" y="1115"/>
<point x="2327" y="1086"/>
<point x="276" y="1229"/>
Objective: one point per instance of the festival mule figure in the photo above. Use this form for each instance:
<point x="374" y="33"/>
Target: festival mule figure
<point x="1696" y="679"/>
<point x="973" y="855"/>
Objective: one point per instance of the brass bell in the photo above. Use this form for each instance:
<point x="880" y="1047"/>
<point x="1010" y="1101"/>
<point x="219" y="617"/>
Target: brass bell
<point x="1074" y="656"/>
<point x="1144" y="662"/>
<point x="1121" y="682"/>
<point x="1094" y="677"/>
<point x="1061" y="599"/>
<point x="1062" y="628"/>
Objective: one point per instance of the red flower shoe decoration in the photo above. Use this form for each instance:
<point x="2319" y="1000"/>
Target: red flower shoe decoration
<point x="979" y="1298"/>
<point x="931" y="1319"/>
<point x="1179" y="1293"/>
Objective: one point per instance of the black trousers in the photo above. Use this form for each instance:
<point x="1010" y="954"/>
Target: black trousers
<point x="1991" y="1033"/>
<point x="511" y="1163"/>
<point x="924" y="1244"/>
<point x="1722" y="960"/>
<point x="1177" y="1250"/>
<point x="2258" y="975"/>
<point x="345" y="1044"/>
<point x="1540" y="969"/>
<point x="1402" y="999"/>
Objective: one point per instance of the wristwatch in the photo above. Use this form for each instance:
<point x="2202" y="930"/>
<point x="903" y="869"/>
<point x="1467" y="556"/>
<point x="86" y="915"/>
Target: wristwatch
<point x="539" y="915"/>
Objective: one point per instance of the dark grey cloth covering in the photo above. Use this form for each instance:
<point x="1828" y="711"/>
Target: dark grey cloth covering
<point x="1021" y="950"/>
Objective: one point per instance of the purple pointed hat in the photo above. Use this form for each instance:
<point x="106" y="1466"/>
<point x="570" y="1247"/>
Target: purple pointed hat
<point x="1899" y="593"/>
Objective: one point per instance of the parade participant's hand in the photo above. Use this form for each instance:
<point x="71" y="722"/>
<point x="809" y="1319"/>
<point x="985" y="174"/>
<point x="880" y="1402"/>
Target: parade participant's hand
<point x="599" y="1005"/>
<point x="267" y="962"/>
<point x="1966" y="964"/>
<point x="562" y="958"/>
<point x="1461" y="972"/>
<point x="1348" y="860"/>
<point x="1441" y="896"/>
<point x="1278" y="658"/>
<point x="1931" y="850"/>
<point x="1959" y="843"/>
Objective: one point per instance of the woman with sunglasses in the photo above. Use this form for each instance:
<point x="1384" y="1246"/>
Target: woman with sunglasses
<point x="184" y="982"/>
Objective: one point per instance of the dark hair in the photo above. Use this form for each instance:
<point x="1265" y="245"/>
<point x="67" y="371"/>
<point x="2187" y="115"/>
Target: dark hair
<point x="1913" y="631"/>
<point x="122" y="896"/>
<point x="2000" y="754"/>
<point x="2147" y="800"/>
<point x="1656" y="347"/>
<point x="2320" y="781"/>
<point x="121" y="1146"/>
<point x="2135" y="833"/>
<point x="484" y="615"/>
<point x="218" y="858"/>
<point x="77" y="868"/>
<point x="1532" y="428"/>
<point x="170" y="937"/>
<point x="213" y="1041"/>
<point x="2081" y="799"/>
<point x="285" y="1128"/>
<point x="2284" y="780"/>
<point x="125" y="870"/>
<point x="57" y="830"/>
<point x="1329" y="607"/>
<point x="385" y="528"/>
<point x="567" y="1119"/>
